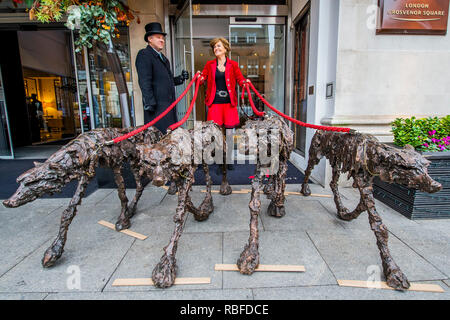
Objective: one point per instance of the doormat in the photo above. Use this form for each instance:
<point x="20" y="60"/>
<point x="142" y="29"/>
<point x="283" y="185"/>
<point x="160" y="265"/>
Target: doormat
<point x="11" y="169"/>
<point x="243" y="174"/>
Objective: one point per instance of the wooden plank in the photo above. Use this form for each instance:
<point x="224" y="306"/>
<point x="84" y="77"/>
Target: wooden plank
<point x="217" y="191"/>
<point x="287" y="193"/>
<point x="383" y="285"/>
<point x="249" y="190"/>
<point x="321" y="195"/>
<point x="262" y="267"/>
<point x="149" y="281"/>
<point x="126" y="231"/>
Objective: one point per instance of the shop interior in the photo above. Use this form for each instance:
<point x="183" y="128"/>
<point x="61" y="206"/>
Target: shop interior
<point x="49" y="85"/>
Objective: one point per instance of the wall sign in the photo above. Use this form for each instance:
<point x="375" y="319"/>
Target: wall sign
<point x="413" y="17"/>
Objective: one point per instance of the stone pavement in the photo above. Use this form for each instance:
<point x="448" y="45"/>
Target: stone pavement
<point x="309" y="235"/>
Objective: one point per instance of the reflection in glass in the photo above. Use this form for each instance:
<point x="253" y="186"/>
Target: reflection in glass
<point x="260" y="51"/>
<point x="50" y="87"/>
<point x="83" y="91"/>
<point x="5" y="137"/>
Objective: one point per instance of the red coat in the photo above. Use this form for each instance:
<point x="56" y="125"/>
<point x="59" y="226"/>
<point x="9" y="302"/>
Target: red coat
<point x="232" y="75"/>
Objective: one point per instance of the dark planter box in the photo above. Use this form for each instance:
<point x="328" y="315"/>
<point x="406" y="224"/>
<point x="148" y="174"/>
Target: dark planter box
<point x="415" y="204"/>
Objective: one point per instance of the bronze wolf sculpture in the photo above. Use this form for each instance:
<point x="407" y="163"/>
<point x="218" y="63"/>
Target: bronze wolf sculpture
<point x="78" y="160"/>
<point x="162" y="160"/>
<point x="362" y="157"/>
<point x="174" y="158"/>
<point x="268" y="132"/>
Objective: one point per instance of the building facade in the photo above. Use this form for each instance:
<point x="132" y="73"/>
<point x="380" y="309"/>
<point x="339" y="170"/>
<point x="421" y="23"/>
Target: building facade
<point x="319" y="61"/>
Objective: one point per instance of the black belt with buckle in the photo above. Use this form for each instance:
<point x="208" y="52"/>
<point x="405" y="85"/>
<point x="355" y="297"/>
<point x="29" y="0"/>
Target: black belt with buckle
<point x="222" y="93"/>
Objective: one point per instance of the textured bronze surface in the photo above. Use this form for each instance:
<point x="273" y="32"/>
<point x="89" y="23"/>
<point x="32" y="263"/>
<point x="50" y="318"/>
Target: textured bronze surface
<point x="249" y="258"/>
<point x="77" y="161"/>
<point x="362" y="157"/>
<point x="168" y="160"/>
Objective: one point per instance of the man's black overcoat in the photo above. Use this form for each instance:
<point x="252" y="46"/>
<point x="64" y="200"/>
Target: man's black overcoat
<point x="157" y="85"/>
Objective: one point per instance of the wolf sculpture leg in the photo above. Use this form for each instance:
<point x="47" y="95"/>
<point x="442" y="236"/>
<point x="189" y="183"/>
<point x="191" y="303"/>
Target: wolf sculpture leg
<point x="55" y="251"/>
<point x="123" y="222"/>
<point x="249" y="258"/>
<point x="132" y="206"/>
<point x="276" y="206"/>
<point x="207" y="207"/>
<point x="342" y="211"/>
<point x="225" y="188"/>
<point x="394" y="276"/>
<point x="314" y="159"/>
<point x="165" y="271"/>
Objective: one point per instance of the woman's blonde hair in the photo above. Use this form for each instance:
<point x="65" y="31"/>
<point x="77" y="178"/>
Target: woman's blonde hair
<point x="225" y="43"/>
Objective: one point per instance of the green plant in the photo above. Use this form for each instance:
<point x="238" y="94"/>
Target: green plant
<point x="426" y="134"/>
<point x="94" y="20"/>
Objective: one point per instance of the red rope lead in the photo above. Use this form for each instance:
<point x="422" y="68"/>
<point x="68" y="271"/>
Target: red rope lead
<point x="188" y="112"/>
<point x="135" y="132"/>
<point x="300" y="123"/>
<point x="255" y="111"/>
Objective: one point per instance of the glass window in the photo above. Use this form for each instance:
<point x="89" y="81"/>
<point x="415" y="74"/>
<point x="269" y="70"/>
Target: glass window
<point x="260" y="52"/>
<point x="109" y="80"/>
<point x="49" y="85"/>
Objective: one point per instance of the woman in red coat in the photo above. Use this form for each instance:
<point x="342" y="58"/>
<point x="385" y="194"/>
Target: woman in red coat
<point x="221" y="76"/>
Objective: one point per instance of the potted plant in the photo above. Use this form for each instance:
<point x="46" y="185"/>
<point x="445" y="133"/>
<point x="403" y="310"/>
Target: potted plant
<point x="431" y="137"/>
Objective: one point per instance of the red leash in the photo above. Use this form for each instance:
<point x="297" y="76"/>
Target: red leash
<point x="191" y="106"/>
<point x="246" y="86"/>
<point x="255" y="111"/>
<point x="300" y="123"/>
<point x="136" y="131"/>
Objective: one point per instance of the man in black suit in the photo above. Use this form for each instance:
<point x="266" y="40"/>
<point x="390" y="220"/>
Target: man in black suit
<point x="156" y="80"/>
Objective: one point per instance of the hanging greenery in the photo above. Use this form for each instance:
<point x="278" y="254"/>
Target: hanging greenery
<point x="94" y="20"/>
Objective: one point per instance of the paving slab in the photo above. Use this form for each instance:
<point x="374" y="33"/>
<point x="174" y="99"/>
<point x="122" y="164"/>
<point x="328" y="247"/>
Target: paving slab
<point x="23" y="296"/>
<point x="433" y="244"/>
<point x="447" y="282"/>
<point x="231" y="213"/>
<point x="335" y="292"/>
<point x="97" y="196"/>
<point x="441" y="225"/>
<point x="151" y="196"/>
<point x="276" y="247"/>
<point x="300" y="215"/>
<point x="196" y="257"/>
<point x="92" y="251"/>
<point x="355" y="256"/>
<point x="389" y="216"/>
<point x="211" y="294"/>
<point x="25" y="231"/>
<point x="310" y="234"/>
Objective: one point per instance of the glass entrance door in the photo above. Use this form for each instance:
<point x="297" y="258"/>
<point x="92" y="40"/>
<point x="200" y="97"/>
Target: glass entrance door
<point x="6" y="151"/>
<point x="259" y="48"/>
<point x="184" y="59"/>
<point x="301" y="81"/>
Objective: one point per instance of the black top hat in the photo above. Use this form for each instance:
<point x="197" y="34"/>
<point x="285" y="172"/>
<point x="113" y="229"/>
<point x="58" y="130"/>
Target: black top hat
<point x="153" y="28"/>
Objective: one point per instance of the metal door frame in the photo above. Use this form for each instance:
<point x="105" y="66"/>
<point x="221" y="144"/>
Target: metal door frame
<point x="186" y="6"/>
<point x="7" y="122"/>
